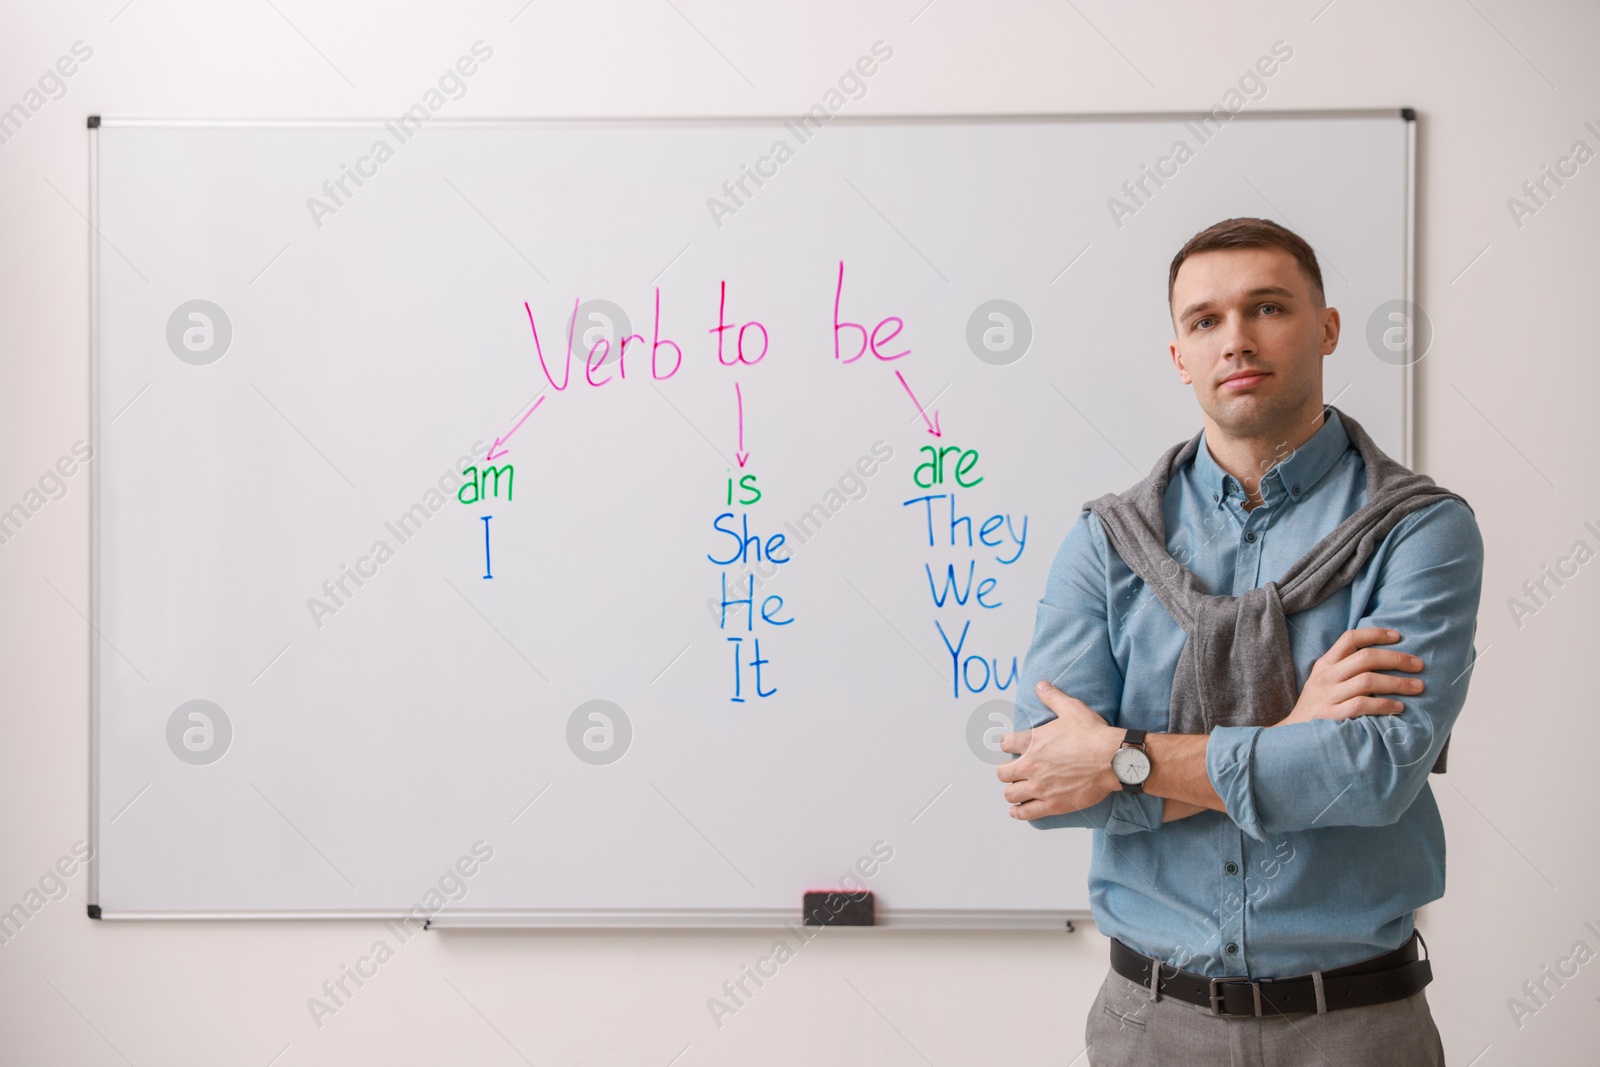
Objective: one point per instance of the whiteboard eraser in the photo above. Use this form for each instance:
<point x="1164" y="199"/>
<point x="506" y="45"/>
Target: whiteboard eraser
<point x="839" y="907"/>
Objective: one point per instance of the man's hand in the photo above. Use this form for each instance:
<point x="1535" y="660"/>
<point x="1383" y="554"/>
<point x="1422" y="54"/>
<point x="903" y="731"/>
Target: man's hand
<point x="1066" y="762"/>
<point x="1344" y="683"/>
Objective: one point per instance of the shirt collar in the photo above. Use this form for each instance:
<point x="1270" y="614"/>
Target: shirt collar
<point x="1296" y="472"/>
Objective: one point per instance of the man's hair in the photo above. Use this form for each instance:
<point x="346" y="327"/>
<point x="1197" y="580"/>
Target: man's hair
<point x="1251" y="233"/>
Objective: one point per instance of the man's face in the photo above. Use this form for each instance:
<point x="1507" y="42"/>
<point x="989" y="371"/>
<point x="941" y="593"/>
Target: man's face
<point x="1248" y="314"/>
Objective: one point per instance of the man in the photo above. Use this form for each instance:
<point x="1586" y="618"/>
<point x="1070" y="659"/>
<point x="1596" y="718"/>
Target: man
<point x="1285" y="841"/>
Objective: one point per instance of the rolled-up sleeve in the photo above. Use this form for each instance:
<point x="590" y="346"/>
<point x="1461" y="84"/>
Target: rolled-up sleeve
<point x="1071" y="649"/>
<point x="1367" y="771"/>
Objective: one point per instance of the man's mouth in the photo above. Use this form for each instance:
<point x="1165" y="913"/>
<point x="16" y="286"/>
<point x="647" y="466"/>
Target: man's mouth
<point x="1244" y="381"/>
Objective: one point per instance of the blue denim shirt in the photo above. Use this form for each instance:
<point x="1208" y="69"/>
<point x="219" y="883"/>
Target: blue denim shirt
<point x="1331" y="836"/>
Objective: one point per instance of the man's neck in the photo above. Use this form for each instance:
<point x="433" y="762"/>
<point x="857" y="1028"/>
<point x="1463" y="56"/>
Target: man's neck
<point x="1250" y="458"/>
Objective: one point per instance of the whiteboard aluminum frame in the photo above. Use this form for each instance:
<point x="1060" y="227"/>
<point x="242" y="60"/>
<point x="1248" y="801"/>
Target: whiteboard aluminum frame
<point x="94" y="521"/>
<point x="645" y="918"/>
<point x="1409" y="236"/>
<point x="636" y="918"/>
<point x="184" y="122"/>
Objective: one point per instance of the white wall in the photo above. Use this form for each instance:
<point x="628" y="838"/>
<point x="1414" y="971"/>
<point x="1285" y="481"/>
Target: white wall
<point x="1506" y="406"/>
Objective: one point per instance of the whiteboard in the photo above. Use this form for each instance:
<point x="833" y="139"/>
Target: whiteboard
<point x="544" y="675"/>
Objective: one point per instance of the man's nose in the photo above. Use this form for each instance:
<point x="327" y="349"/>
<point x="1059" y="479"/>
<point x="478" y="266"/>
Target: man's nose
<point x="1236" y="338"/>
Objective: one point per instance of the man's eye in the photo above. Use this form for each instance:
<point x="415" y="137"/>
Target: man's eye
<point x="1199" y="323"/>
<point x="1274" y="307"/>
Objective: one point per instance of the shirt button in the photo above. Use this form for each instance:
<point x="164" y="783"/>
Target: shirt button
<point x="1295" y="490"/>
<point x="1251" y="536"/>
<point x="1231" y="867"/>
<point x="1231" y="949"/>
<point x="1215" y="497"/>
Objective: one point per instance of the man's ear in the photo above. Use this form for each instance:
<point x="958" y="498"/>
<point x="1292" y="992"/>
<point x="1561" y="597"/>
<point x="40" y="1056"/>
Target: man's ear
<point x="1177" y="361"/>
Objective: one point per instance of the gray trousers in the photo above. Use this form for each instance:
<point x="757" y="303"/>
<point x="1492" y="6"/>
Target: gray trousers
<point x="1127" y="1028"/>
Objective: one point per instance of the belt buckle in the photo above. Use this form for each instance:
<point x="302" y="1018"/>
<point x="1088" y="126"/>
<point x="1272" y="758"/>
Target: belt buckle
<point x="1217" y="999"/>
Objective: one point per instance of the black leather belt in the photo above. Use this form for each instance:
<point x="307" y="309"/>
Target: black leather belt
<point x="1377" y="980"/>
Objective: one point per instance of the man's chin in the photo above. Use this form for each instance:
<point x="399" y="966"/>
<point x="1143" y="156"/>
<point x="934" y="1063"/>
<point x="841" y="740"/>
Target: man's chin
<point x="1247" y="414"/>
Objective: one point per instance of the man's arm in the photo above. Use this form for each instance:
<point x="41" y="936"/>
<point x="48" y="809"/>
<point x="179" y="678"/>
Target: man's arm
<point x="1068" y="757"/>
<point x="1178" y="771"/>
<point x="1178" y="809"/>
<point x="1339" y="759"/>
<point x="1071" y="648"/>
<point x="1366" y="770"/>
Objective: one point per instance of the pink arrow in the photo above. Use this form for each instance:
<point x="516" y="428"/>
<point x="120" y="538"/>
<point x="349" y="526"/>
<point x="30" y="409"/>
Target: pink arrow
<point x="933" y="423"/>
<point x="498" y="441"/>
<point x="741" y="455"/>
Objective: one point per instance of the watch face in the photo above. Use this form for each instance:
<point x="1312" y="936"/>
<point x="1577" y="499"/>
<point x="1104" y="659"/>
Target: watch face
<point x="1130" y="765"/>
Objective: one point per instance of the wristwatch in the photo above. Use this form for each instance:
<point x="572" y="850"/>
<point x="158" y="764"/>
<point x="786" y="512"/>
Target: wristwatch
<point x="1131" y="763"/>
